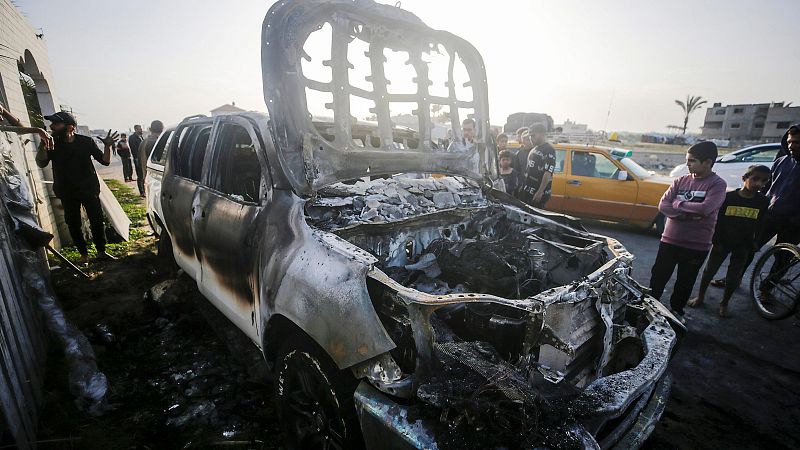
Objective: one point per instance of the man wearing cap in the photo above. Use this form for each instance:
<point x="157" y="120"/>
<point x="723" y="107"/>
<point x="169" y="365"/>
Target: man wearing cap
<point x="75" y="180"/>
<point x="541" y="163"/>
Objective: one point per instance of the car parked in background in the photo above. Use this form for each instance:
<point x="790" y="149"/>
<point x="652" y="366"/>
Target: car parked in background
<point x="731" y="166"/>
<point x="606" y="183"/>
<point x="152" y="181"/>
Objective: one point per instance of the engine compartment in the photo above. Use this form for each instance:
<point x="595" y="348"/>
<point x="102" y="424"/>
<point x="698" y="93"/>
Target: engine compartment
<point x="503" y="320"/>
<point x="477" y="250"/>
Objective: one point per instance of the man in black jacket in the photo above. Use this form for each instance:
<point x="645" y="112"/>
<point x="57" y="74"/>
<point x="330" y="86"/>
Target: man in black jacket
<point x="75" y="181"/>
<point x="134" y="142"/>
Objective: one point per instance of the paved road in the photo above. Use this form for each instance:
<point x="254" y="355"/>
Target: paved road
<point x="113" y="170"/>
<point x="737" y="379"/>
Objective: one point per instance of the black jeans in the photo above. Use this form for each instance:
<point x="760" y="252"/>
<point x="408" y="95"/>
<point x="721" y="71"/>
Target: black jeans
<point x="72" y="215"/>
<point x="127" y="169"/>
<point x="139" y="175"/>
<point x="689" y="263"/>
<point x="739" y="258"/>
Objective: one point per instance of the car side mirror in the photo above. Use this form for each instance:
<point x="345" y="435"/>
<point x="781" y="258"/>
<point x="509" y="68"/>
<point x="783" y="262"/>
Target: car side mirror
<point x="727" y="158"/>
<point x="622" y="175"/>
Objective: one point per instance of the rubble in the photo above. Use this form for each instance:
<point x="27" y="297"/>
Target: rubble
<point x="392" y="199"/>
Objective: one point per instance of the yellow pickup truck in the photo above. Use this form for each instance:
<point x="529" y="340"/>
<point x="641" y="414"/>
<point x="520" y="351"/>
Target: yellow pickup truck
<point x="605" y="183"/>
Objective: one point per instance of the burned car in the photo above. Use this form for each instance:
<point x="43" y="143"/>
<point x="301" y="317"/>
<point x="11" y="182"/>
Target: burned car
<point x="401" y="298"/>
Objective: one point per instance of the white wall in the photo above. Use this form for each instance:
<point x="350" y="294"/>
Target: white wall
<point x="19" y="44"/>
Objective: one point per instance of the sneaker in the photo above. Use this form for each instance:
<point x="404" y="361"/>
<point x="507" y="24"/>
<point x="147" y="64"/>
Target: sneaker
<point x="720" y="283"/>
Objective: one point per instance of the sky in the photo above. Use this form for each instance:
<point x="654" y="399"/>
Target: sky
<point x="616" y="65"/>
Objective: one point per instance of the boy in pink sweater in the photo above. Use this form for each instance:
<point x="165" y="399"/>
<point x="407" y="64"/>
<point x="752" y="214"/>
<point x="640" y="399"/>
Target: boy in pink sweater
<point x="690" y="205"/>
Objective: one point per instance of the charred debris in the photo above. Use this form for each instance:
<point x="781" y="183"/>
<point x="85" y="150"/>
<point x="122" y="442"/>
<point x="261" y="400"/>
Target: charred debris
<point x="501" y="320"/>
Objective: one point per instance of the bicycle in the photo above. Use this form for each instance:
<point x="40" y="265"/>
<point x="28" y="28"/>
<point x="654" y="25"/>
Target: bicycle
<point x="776" y="290"/>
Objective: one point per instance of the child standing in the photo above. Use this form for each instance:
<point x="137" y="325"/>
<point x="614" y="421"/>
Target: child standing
<point x="739" y="223"/>
<point x="690" y="205"/>
<point x="507" y="173"/>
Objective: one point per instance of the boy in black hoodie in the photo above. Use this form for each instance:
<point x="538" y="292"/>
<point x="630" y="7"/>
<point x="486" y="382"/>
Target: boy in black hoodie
<point x="741" y="219"/>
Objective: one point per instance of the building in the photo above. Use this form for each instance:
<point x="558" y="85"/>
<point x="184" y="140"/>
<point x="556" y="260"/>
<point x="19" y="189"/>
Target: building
<point x="779" y="119"/>
<point x="26" y="83"/>
<point x="226" y="109"/>
<point x="757" y="122"/>
<point x="569" y="128"/>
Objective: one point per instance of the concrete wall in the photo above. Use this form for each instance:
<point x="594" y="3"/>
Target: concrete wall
<point x="19" y="45"/>
<point x="735" y="122"/>
<point x="778" y="120"/>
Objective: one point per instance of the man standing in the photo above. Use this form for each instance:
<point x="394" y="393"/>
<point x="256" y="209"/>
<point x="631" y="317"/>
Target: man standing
<point x="541" y="163"/>
<point x="134" y="142"/>
<point x="783" y="192"/>
<point x="124" y="152"/>
<point x="520" y="161"/>
<point x="467" y="137"/>
<point x="156" y="128"/>
<point x="75" y="180"/>
<point x="691" y="205"/>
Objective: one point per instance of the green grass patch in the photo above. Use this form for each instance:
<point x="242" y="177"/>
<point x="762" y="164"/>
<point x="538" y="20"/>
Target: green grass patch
<point x="130" y="201"/>
<point x="134" y="208"/>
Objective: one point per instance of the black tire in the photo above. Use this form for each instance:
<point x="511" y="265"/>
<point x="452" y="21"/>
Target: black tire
<point x="776" y="291"/>
<point x="660" y="222"/>
<point x="314" y="399"/>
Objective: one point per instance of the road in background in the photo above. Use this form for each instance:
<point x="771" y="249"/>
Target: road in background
<point x="736" y="379"/>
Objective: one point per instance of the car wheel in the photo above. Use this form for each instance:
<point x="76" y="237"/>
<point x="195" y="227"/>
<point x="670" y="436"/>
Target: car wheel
<point x="660" y="222"/>
<point x="315" y="399"/>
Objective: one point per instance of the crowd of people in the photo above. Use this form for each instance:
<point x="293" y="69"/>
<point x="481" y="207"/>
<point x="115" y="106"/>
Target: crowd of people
<point x="703" y="220"/>
<point x="75" y="181"/>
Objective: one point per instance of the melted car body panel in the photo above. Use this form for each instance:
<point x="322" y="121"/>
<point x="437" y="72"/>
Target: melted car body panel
<point x="475" y="309"/>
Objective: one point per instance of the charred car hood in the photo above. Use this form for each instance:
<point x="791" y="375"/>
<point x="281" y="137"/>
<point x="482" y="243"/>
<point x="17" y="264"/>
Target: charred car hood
<point x="312" y="158"/>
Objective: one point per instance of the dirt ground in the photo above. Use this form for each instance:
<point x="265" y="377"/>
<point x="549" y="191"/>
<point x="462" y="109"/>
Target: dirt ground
<point x="174" y="384"/>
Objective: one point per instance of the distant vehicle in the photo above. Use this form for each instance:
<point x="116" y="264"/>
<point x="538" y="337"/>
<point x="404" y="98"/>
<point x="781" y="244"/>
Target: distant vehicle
<point x="522" y="119"/>
<point x="152" y="181"/>
<point x="605" y="183"/>
<point x="732" y="166"/>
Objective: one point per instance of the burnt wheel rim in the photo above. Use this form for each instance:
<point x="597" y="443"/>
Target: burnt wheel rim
<point x="310" y="409"/>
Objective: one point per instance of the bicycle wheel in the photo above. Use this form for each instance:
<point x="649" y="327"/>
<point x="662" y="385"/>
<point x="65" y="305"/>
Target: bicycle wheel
<point x="775" y="284"/>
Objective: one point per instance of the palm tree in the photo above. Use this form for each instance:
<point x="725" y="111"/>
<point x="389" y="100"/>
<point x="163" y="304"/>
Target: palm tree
<point x="691" y="104"/>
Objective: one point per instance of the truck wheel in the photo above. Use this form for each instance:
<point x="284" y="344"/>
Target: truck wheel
<point x="659" y="223"/>
<point x="314" y="399"/>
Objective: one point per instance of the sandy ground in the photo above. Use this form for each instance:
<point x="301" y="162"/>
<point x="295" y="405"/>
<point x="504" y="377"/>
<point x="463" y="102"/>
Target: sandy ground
<point x="174" y="384"/>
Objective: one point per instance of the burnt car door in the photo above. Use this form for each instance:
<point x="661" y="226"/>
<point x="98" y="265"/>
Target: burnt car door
<point x="226" y="235"/>
<point x="179" y="189"/>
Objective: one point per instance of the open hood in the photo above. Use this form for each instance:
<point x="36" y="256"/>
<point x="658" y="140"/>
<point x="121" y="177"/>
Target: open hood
<point x="353" y="60"/>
